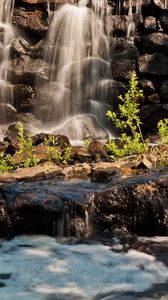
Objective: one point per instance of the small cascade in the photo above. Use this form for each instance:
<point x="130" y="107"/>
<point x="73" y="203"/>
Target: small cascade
<point x="77" y="59"/>
<point x="6" y="36"/>
<point x="138" y="7"/>
<point x="50" y="7"/>
<point x="131" y="23"/>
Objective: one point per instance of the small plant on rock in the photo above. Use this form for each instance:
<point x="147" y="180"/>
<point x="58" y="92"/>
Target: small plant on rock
<point x="127" y="120"/>
<point x="55" y="153"/>
<point x="52" y="148"/>
<point x="5" y="163"/>
<point x="163" y="130"/>
<point x="66" y="155"/>
<point x="26" y="148"/>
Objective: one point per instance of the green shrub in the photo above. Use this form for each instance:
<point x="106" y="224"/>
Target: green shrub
<point x="66" y="155"/>
<point x="5" y="163"/>
<point x="127" y="120"/>
<point x="52" y="148"/>
<point x="55" y="153"/>
<point x="163" y="130"/>
<point x="26" y="149"/>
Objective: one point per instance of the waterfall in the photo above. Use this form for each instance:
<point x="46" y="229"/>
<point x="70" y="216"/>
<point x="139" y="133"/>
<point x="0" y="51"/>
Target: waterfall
<point x="6" y="36"/>
<point x="77" y="58"/>
<point x="131" y="24"/>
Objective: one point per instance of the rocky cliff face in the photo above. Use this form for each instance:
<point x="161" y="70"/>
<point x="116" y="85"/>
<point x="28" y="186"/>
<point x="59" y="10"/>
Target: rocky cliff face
<point x="145" y="52"/>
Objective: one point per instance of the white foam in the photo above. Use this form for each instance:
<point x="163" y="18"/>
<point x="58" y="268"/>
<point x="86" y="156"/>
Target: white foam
<point x="41" y="266"/>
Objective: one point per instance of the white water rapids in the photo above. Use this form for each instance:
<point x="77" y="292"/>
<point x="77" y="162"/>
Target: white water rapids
<point x="42" y="268"/>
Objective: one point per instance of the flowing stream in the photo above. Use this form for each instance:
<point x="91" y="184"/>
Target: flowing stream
<point x="43" y="268"/>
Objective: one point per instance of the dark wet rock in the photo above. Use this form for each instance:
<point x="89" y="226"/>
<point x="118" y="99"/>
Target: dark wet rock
<point x="80" y="154"/>
<point x="31" y="21"/>
<point x="122" y="69"/>
<point x="140" y="207"/>
<point x="147" y="86"/>
<point x="151" y="43"/>
<point x="20" y="46"/>
<point x="12" y="131"/>
<point x="20" y="92"/>
<point x="27" y="105"/>
<point x="164" y="91"/>
<point x="124" y="48"/>
<point x="119" y="25"/>
<point x="164" y="22"/>
<point x="151" y="114"/>
<point x="124" y="57"/>
<point x="3" y="145"/>
<point x="150" y="24"/>
<point x="31" y="207"/>
<point x="25" y="70"/>
<point x="154" y="98"/>
<point x="152" y="8"/>
<point x="39" y="138"/>
<point x="47" y="206"/>
<point x="8" y="113"/>
<point x="153" y="65"/>
<point x="5" y="221"/>
<point x="63" y="141"/>
<point x="97" y="150"/>
<point x="78" y="227"/>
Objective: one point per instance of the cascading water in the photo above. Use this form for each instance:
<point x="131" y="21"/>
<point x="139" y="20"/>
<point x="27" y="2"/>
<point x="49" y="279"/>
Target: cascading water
<point x="77" y="54"/>
<point x="131" y="24"/>
<point x="6" y="36"/>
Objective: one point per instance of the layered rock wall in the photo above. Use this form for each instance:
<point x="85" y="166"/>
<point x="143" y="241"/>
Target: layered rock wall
<point x="145" y="52"/>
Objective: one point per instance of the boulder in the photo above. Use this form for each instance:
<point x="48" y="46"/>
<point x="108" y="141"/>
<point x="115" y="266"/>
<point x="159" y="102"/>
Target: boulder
<point x="6" y="228"/>
<point x="20" y="46"/>
<point x="147" y="86"/>
<point x="164" y="22"/>
<point x="123" y="48"/>
<point x="97" y="150"/>
<point x="34" y="21"/>
<point x="163" y="92"/>
<point x="139" y="206"/>
<point x="8" y="113"/>
<point x="122" y="69"/>
<point x="150" y="24"/>
<point x="154" y="98"/>
<point x="153" y="65"/>
<point x="151" y="43"/>
<point x="27" y="105"/>
<point x="119" y="25"/>
<point x="150" y="115"/>
<point x="24" y="70"/>
<point x="21" y="92"/>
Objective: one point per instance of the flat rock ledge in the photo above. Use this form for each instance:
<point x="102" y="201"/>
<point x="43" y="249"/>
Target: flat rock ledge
<point x="53" y="200"/>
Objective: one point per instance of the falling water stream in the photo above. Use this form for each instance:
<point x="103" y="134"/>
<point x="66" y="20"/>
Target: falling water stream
<point x="45" y="268"/>
<point x="77" y="54"/>
<point x="6" y="36"/>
